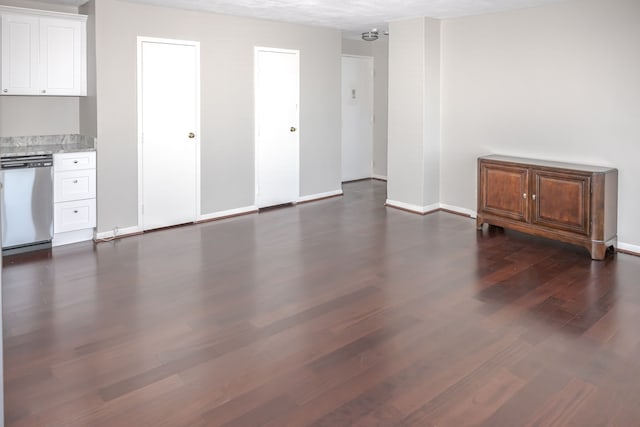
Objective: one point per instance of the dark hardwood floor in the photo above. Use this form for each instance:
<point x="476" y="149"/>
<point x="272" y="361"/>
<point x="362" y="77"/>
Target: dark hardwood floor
<point x="335" y="313"/>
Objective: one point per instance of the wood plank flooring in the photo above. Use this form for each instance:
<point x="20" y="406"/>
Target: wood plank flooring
<point x="335" y="313"/>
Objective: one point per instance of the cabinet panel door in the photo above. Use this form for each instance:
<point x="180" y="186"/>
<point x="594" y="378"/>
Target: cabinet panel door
<point x="562" y="201"/>
<point x="76" y="215"/>
<point x="61" y="56"/>
<point x="503" y="191"/>
<point x="20" y="55"/>
<point x="74" y="185"/>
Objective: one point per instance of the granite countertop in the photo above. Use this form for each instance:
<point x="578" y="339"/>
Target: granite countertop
<point x="13" y="146"/>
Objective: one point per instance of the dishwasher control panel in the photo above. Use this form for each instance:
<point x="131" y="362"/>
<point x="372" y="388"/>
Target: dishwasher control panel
<point x="39" y="161"/>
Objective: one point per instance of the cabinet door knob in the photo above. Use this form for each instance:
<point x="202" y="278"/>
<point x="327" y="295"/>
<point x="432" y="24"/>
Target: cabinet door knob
<point x="524" y="195"/>
<point x="75" y="181"/>
<point x="192" y="135"/>
<point x="75" y="211"/>
<point x="44" y="91"/>
<point x="533" y="196"/>
<point x="5" y="90"/>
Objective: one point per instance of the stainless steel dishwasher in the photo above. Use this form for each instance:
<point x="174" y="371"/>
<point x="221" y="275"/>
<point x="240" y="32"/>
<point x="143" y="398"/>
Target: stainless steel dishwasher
<point x="27" y="203"/>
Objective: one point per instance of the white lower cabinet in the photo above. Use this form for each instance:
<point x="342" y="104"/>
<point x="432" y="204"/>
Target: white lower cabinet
<point x="74" y="183"/>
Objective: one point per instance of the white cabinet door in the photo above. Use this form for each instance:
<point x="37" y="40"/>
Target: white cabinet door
<point x="20" y="55"/>
<point x="75" y="215"/>
<point x="61" y="60"/>
<point x="74" y="185"/>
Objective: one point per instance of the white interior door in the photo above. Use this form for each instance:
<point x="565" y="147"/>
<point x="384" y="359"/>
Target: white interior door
<point x="169" y="121"/>
<point x="277" y="135"/>
<point x="357" y="117"/>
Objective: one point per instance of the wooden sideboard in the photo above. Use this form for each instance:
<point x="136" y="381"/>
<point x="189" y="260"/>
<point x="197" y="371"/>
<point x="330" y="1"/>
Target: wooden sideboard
<point x="572" y="203"/>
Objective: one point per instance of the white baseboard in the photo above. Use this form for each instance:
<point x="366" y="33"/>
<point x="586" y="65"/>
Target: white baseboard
<point x="319" y="196"/>
<point x="457" y="209"/>
<point x="380" y="177"/>
<point x="120" y="233"/>
<point x="629" y="247"/>
<point x="228" y="213"/>
<point x="69" y="237"/>
<point x="431" y="208"/>
<point x="422" y="210"/>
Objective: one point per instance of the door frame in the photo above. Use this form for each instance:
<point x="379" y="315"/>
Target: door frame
<point x="372" y="62"/>
<point x="196" y="44"/>
<point x="256" y="51"/>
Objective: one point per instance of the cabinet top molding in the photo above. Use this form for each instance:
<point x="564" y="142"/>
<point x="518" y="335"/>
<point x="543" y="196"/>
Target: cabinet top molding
<point x="547" y="164"/>
<point x="40" y="13"/>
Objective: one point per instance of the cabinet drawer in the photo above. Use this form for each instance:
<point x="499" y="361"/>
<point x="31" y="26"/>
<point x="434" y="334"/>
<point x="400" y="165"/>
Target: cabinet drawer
<point x="74" y="161"/>
<point x="76" y="215"/>
<point x="74" y="185"/>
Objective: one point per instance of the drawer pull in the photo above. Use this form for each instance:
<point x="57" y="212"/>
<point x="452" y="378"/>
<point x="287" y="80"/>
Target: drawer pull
<point x="75" y="162"/>
<point x="75" y="181"/>
<point x="75" y="211"/>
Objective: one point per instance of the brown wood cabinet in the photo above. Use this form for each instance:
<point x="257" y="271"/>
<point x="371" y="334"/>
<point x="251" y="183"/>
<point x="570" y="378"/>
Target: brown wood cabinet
<point x="571" y="203"/>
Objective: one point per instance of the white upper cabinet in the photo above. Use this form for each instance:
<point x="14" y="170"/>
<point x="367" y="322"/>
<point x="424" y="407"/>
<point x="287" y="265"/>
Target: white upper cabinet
<point x="43" y="53"/>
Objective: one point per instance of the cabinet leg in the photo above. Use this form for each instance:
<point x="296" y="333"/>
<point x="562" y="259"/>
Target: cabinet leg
<point x="479" y="224"/>
<point x="598" y="251"/>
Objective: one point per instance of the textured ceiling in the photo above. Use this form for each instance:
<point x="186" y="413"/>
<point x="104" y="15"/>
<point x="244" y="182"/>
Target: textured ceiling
<point x="351" y="16"/>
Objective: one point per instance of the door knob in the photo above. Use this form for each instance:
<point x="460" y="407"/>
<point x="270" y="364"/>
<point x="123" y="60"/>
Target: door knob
<point x="192" y="135"/>
<point x="292" y="129"/>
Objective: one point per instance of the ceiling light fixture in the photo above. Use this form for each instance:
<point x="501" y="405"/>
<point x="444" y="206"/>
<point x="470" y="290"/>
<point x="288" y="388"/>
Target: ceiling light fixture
<point x="370" y="36"/>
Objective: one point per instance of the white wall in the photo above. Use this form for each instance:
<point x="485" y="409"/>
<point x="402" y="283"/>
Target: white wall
<point x="379" y="50"/>
<point x="88" y="115"/>
<point x="227" y="135"/>
<point x="38" y="115"/>
<point x="43" y="5"/>
<point x="414" y="114"/>
<point x="559" y="82"/>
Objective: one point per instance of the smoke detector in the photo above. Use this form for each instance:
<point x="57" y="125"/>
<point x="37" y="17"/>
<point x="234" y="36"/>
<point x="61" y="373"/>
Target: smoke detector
<point x="370" y="36"/>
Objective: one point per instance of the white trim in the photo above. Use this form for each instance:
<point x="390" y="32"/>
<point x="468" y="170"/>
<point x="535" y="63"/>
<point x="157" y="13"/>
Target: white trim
<point x="195" y="44"/>
<point x="464" y="211"/>
<point x="320" y="196"/>
<point x="413" y="208"/>
<point x="39" y="13"/>
<point x="380" y="177"/>
<point x="629" y="247"/>
<point x="227" y="213"/>
<point x="121" y="232"/>
<point x="256" y="165"/>
<point x="431" y="208"/>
